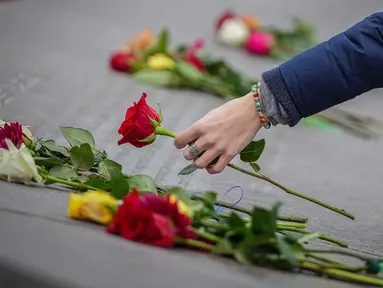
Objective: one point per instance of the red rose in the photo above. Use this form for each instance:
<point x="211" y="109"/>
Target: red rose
<point x="122" y="61"/>
<point x="150" y="219"/>
<point x="12" y="131"/>
<point x="162" y="205"/>
<point x="135" y="221"/>
<point x="195" y="61"/>
<point x="191" y="55"/>
<point x="137" y="125"/>
<point x="225" y="16"/>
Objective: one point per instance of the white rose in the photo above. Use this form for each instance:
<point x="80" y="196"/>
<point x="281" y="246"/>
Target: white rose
<point x="233" y="32"/>
<point x="18" y="164"/>
<point x="26" y="130"/>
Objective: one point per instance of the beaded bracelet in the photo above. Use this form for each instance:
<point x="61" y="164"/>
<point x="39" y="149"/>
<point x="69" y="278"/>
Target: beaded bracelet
<point x="255" y="91"/>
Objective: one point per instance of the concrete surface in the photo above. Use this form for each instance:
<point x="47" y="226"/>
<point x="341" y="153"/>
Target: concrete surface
<point x="53" y="71"/>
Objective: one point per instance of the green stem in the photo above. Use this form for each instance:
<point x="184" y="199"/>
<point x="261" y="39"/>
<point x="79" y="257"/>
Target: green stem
<point x="210" y="88"/>
<point x="292" y="219"/>
<point x="248" y="212"/>
<point x="46" y="176"/>
<point x="215" y="225"/>
<point x="225" y="227"/>
<point x="344" y="253"/>
<point x="194" y="243"/>
<point x="68" y="183"/>
<point x="162" y="131"/>
<point x="335" y="263"/>
<point x="322" y="237"/>
<point x="322" y="258"/>
<point x="340" y="266"/>
<point x="282" y="225"/>
<point x="343" y="275"/>
<point x="207" y="236"/>
<point x="292" y="192"/>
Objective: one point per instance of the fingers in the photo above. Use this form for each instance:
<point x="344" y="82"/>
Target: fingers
<point x="221" y="164"/>
<point x="186" y="137"/>
<point x="200" y="145"/>
<point x="204" y="160"/>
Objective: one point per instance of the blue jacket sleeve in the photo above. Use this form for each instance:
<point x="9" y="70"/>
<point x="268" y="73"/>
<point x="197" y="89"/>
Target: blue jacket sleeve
<point x="330" y="73"/>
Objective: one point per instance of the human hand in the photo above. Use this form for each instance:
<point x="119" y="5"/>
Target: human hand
<point x="222" y="132"/>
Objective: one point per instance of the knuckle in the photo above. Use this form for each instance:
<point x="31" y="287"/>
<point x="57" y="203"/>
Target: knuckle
<point x="199" y="128"/>
<point x="210" y="141"/>
<point x="199" y="164"/>
<point x="220" y="148"/>
<point x="187" y="156"/>
<point x="230" y="154"/>
<point x="216" y="169"/>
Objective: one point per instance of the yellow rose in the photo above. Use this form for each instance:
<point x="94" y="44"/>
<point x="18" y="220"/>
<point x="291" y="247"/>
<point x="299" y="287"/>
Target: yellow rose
<point x="160" y="62"/>
<point x="182" y="207"/>
<point x="91" y="206"/>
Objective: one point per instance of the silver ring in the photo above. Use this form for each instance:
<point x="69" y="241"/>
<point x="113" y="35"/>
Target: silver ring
<point x="193" y="150"/>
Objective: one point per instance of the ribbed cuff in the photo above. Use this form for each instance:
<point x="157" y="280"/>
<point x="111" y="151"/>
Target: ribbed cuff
<point x="271" y="108"/>
<point x="277" y="86"/>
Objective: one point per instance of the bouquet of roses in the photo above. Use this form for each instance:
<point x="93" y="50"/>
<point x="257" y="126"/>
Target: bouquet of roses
<point x="150" y="59"/>
<point x="138" y="209"/>
<point x="246" y="31"/>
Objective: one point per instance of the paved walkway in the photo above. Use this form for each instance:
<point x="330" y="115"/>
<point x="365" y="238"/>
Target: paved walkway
<point x="53" y="71"/>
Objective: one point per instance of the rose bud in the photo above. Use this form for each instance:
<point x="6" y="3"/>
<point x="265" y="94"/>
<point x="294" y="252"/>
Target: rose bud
<point x="251" y="21"/>
<point x="122" y="61"/>
<point x="261" y="43"/>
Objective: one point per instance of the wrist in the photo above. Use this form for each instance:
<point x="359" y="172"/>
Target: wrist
<point x="255" y="91"/>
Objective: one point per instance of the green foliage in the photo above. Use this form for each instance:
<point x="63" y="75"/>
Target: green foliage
<point x="187" y="170"/>
<point x="161" y="45"/>
<point x="77" y="136"/>
<point x="253" y="151"/>
<point x="51" y="148"/>
<point x="63" y="172"/>
<point x="143" y="183"/>
<point x="188" y="71"/>
<point x="82" y="156"/>
<point x="106" y="165"/>
<point x="157" y="77"/>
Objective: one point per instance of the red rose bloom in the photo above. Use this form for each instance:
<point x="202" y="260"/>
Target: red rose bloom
<point x="195" y="61"/>
<point x="12" y="131"/>
<point x="191" y="56"/>
<point x="137" y="125"/>
<point x="135" y="221"/>
<point x="162" y="205"/>
<point x="121" y="61"/>
<point x="150" y="219"/>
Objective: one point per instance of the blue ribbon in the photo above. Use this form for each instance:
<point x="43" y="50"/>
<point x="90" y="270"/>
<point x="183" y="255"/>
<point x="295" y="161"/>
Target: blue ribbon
<point x="219" y="208"/>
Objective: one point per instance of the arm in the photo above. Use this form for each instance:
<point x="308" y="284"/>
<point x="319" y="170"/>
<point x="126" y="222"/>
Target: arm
<point x="347" y="65"/>
<point x="335" y="71"/>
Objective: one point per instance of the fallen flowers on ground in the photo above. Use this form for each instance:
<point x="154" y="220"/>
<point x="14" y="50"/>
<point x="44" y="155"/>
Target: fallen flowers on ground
<point x="138" y="209"/>
<point x="246" y="31"/>
<point x="150" y="59"/>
